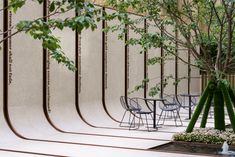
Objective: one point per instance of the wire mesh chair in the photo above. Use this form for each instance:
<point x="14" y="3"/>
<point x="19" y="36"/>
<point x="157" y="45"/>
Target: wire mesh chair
<point x="184" y="102"/>
<point x="189" y="102"/>
<point x="125" y="101"/>
<point x="141" y="107"/>
<point x="170" y="107"/>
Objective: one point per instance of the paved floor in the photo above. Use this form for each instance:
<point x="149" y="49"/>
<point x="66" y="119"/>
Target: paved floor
<point x="88" y="141"/>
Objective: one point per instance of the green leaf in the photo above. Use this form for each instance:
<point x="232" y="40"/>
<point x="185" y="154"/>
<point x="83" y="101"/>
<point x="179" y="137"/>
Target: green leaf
<point x="62" y="10"/>
<point x="40" y="1"/>
<point x="16" y="4"/>
<point x="52" y="6"/>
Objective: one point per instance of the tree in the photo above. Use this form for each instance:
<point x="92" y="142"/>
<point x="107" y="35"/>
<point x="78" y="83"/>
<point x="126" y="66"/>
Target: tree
<point x="205" y="27"/>
<point x="41" y="28"/>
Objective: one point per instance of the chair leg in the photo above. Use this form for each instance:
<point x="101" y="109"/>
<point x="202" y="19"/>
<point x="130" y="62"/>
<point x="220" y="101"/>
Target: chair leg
<point x="175" y="117"/>
<point x="133" y="120"/>
<point x="178" y="113"/>
<point x="146" y="118"/>
<point x="140" y="118"/>
<point x="160" y="116"/>
<point x="142" y="121"/>
<point x="151" y="115"/>
<point x="129" y="118"/>
<point x="122" y="119"/>
<point x="164" y="118"/>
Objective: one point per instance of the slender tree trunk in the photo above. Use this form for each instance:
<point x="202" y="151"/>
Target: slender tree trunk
<point x="199" y="107"/>
<point x="232" y="95"/>
<point x="219" y="121"/>
<point x="229" y="105"/>
<point x="206" y="110"/>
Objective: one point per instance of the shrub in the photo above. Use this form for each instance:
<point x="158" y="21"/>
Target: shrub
<point x="207" y="135"/>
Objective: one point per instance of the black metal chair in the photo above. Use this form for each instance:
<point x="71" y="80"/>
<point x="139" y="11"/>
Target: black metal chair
<point x="141" y="107"/>
<point x="184" y="102"/>
<point x="125" y="101"/>
<point x="170" y="107"/>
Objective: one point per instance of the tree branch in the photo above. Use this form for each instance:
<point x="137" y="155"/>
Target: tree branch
<point x="229" y="12"/>
<point x="40" y="18"/>
<point x="216" y="12"/>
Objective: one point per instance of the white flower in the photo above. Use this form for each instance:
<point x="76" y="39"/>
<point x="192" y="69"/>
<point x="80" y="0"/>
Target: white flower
<point x="207" y="135"/>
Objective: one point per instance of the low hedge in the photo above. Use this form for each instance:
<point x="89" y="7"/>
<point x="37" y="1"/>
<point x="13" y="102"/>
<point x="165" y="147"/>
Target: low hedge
<point x="207" y="135"/>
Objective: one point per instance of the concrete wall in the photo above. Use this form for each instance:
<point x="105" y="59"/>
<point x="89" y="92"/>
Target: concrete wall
<point x="25" y="73"/>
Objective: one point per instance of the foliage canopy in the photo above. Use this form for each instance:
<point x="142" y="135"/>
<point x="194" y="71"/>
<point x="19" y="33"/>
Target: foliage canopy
<point x="41" y="28"/>
<point x="205" y="27"/>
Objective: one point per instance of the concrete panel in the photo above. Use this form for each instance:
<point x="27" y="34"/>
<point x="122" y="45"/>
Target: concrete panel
<point x="136" y="63"/>
<point x="90" y="97"/>
<point x="195" y="84"/>
<point x="169" y="69"/>
<point x="25" y="89"/>
<point x="61" y="85"/>
<point x="115" y="72"/>
<point x="182" y="68"/>
<point x="154" y="71"/>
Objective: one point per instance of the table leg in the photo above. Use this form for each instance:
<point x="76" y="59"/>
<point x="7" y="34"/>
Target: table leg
<point x="154" y="114"/>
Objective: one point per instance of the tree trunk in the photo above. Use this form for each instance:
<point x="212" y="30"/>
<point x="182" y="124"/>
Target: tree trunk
<point x="221" y="92"/>
<point x="206" y="110"/>
<point x="219" y="122"/>
<point x="199" y="107"/>
<point x="229" y="105"/>
<point x="232" y="95"/>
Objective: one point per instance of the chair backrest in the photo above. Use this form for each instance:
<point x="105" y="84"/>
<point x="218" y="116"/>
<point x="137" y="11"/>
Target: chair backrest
<point x="142" y="104"/>
<point x="134" y="105"/>
<point x="171" y="99"/>
<point x="168" y="98"/>
<point x="178" y="100"/>
<point x="184" y="100"/>
<point x="124" y="102"/>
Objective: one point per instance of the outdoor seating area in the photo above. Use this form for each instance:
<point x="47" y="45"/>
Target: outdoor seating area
<point x="101" y="78"/>
<point x="143" y="111"/>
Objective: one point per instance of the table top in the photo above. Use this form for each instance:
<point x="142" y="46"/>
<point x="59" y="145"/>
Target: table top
<point x="192" y="95"/>
<point x="155" y="99"/>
